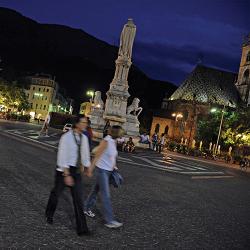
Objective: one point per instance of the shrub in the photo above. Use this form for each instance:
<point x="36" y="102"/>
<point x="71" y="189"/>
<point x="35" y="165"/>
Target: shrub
<point x="172" y="146"/>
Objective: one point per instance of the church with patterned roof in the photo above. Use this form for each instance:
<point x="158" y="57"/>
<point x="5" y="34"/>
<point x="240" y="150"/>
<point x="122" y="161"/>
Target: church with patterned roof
<point x="204" y="88"/>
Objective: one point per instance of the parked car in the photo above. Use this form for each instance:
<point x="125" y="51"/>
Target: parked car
<point x="67" y="127"/>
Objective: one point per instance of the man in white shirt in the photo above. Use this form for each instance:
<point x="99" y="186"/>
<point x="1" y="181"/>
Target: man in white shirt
<point x="73" y="158"/>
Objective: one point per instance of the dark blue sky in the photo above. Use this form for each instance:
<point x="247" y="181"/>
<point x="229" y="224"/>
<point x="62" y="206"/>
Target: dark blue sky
<point x="172" y="36"/>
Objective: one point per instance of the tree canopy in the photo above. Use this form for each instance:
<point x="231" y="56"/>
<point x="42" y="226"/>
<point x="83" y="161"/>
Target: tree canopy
<point x="13" y="96"/>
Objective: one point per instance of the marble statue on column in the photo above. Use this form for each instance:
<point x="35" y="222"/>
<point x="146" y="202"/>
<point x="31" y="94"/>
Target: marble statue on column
<point x="117" y="96"/>
<point x="116" y="110"/>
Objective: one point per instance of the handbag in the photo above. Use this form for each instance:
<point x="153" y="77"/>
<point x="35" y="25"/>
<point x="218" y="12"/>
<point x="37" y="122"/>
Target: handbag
<point x="115" y="179"/>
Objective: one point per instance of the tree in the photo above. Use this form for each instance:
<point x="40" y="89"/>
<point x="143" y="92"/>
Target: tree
<point x="235" y="128"/>
<point x="13" y="96"/>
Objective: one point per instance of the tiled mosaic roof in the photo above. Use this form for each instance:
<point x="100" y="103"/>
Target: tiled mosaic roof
<point x="209" y="86"/>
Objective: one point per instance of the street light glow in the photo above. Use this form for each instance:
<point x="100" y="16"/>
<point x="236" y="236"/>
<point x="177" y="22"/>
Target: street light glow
<point x="90" y="93"/>
<point x="213" y="110"/>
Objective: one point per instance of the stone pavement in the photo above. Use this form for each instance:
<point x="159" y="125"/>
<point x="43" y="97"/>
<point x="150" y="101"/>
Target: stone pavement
<point x="160" y="210"/>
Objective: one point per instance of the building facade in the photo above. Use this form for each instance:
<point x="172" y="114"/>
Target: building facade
<point x="41" y="94"/>
<point x="203" y="89"/>
<point x="44" y="96"/>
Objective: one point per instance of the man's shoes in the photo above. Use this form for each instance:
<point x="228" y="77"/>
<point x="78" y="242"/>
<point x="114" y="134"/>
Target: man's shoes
<point x="49" y="220"/>
<point x="89" y="213"/>
<point x="84" y="233"/>
<point x="114" y="224"/>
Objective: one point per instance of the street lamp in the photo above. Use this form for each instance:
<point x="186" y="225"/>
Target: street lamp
<point x="91" y="94"/>
<point x="213" y="110"/>
<point x="176" y="115"/>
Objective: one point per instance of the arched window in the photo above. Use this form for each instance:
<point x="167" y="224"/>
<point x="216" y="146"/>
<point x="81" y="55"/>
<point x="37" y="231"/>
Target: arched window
<point x="166" y="130"/>
<point x="157" y="128"/>
<point x="248" y="57"/>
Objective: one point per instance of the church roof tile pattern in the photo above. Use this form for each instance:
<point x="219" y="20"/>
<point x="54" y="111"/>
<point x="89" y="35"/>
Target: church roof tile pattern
<point x="208" y="85"/>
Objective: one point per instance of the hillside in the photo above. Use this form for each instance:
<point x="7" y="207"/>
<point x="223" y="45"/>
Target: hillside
<point x="78" y="60"/>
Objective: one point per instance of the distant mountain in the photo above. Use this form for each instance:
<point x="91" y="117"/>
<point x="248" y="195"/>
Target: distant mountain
<point x="78" y="60"/>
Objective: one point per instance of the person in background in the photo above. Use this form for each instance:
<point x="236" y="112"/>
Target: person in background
<point x="73" y="158"/>
<point x="106" y="128"/>
<point x="121" y="143"/>
<point x="161" y="143"/>
<point x="88" y="132"/>
<point x="144" y="138"/>
<point x="104" y="162"/>
<point x="154" y="141"/>
<point x="45" y="127"/>
<point x="130" y="146"/>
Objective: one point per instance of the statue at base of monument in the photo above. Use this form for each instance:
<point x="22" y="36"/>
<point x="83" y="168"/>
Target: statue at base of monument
<point x="134" y="107"/>
<point x="98" y="102"/>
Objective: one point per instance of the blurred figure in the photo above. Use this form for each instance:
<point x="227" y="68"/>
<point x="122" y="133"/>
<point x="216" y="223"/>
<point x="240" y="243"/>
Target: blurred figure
<point x="105" y="163"/>
<point x="72" y="159"/>
<point x="144" y="138"/>
<point x="161" y="143"/>
<point x="106" y="129"/>
<point x="130" y="146"/>
<point x="88" y="132"/>
<point x="154" y="141"/>
<point x="45" y="127"/>
<point x="121" y="143"/>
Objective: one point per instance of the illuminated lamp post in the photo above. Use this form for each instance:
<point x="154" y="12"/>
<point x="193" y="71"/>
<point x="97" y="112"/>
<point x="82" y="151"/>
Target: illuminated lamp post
<point x="176" y="115"/>
<point x="213" y="110"/>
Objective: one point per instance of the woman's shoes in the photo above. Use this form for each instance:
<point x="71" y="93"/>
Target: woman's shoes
<point x="114" y="224"/>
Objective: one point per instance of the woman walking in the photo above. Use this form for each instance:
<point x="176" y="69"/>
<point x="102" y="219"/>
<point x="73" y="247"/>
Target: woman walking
<point x="105" y="163"/>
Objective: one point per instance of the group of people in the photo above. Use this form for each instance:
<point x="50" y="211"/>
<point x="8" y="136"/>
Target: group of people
<point x="126" y="146"/>
<point x="156" y="143"/>
<point x="73" y="161"/>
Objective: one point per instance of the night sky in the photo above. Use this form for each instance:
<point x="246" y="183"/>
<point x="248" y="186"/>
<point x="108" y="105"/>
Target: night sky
<point x="172" y="36"/>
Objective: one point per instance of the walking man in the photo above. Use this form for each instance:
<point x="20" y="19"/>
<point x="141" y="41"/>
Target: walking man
<point x="72" y="159"/>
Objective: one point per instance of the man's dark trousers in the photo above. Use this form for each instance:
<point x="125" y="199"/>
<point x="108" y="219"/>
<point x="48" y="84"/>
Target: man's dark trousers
<point x="76" y="192"/>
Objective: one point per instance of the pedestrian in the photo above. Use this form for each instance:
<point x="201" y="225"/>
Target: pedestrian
<point x="45" y="127"/>
<point x="154" y="141"/>
<point x="73" y="158"/>
<point x="88" y="132"/>
<point x="105" y="163"/>
<point x="106" y="129"/>
<point x="161" y="143"/>
<point x="130" y="146"/>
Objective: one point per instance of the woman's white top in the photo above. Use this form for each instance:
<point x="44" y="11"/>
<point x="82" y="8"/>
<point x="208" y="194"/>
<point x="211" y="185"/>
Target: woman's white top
<point x="107" y="160"/>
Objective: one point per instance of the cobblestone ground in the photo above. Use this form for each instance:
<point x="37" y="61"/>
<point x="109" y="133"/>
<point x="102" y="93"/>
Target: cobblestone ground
<point x="160" y="210"/>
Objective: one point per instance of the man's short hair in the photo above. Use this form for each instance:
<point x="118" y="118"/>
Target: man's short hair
<point x="77" y="119"/>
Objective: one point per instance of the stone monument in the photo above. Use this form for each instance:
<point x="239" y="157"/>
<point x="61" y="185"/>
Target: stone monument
<point x="116" y="110"/>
